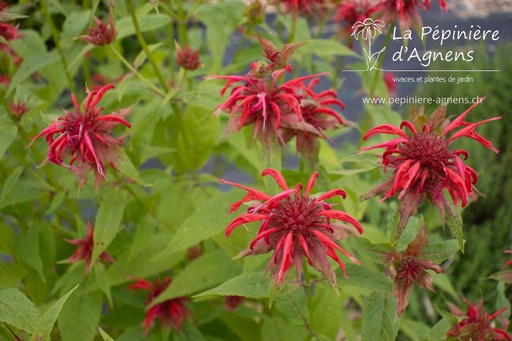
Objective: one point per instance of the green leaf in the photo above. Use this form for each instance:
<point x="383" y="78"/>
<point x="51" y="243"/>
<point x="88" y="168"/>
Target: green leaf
<point x="376" y="252"/>
<point x="104" y="335"/>
<point x="56" y="202"/>
<point x="144" y="230"/>
<point x="102" y="281"/>
<point x="277" y="328"/>
<point x="10" y="183"/>
<point x="208" y="220"/>
<point x="205" y="96"/>
<point x="27" y="189"/>
<point x="219" y="30"/>
<point x="189" y="332"/>
<point x="440" y="252"/>
<point x="80" y="317"/>
<point x="108" y="221"/>
<point x="195" y="138"/>
<point x="141" y="57"/>
<point x="204" y="272"/>
<point x="415" y="330"/>
<point x="18" y="311"/>
<point x="74" y="25"/>
<point x="28" y="67"/>
<point x="125" y="165"/>
<point x="27" y="248"/>
<point x="453" y="219"/>
<point x="503" y="276"/>
<point x="363" y="277"/>
<point x="438" y="331"/>
<point x="326" y="48"/>
<point x="147" y="22"/>
<point x="44" y="327"/>
<point x="251" y="285"/>
<point x="326" y="312"/>
<point x="8" y="133"/>
<point x="378" y="323"/>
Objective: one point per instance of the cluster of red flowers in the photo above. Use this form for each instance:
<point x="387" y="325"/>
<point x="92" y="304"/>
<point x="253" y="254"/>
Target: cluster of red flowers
<point x="280" y="112"/>
<point x="295" y="225"/>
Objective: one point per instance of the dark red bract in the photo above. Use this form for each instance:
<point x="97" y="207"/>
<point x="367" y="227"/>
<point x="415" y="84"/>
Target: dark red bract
<point x="102" y="34"/>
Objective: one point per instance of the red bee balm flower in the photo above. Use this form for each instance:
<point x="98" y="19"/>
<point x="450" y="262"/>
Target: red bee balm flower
<point x="294" y="225"/>
<point x="85" y="247"/>
<point x="424" y="164"/>
<point x="171" y="312"/>
<point x="84" y="136"/>
<point x="476" y="325"/>
<point x="405" y="11"/>
<point x="410" y="267"/>
<point x="102" y="34"/>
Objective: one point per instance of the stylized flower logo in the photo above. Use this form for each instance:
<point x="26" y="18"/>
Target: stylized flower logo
<point x="367" y="29"/>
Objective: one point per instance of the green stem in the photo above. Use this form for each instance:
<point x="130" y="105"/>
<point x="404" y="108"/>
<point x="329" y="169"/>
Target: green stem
<point x="127" y="187"/>
<point x="132" y="69"/>
<point x="309" y="298"/>
<point x="182" y="24"/>
<point x="291" y="37"/>
<point x="142" y="42"/>
<point x="55" y="35"/>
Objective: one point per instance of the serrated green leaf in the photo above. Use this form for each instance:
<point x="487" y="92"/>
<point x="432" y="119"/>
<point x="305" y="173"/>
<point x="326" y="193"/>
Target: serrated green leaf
<point x="102" y="281"/>
<point x="204" y="272"/>
<point x="44" y="327"/>
<point x="195" y="139"/>
<point x="440" y="252"/>
<point x="18" y="311"/>
<point x="376" y="252"/>
<point x="125" y="165"/>
<point x="363" y="277"/>
<point x="8" y="133"/>
<point x="251" y="285"/>
<point x="326" y="312"/>
<point x="206" y="96"/>
<point x="208" y="220"/>
<point x="453" y="219"/>
<point x="378" y="322"/>
<point x="79" y="317"/>
<point x="108" y="221"/>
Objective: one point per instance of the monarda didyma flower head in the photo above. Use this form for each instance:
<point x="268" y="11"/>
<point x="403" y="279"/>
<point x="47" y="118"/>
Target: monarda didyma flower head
<point x="295" y="225"/>
<point x="85" y="248"/>
<point x="424" y="163"/>
<point x="102" y="34"/>
<point x="84" y="136"/>
<point x="172" y="312"/>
